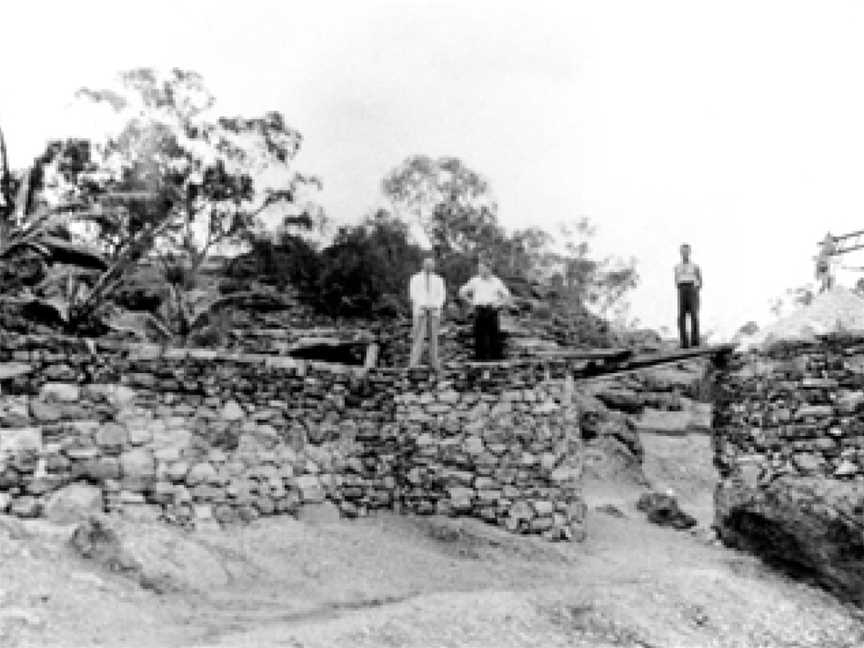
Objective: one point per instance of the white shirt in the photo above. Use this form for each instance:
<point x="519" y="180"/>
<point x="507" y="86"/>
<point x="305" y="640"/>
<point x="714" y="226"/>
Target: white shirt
<point x="688" y="273"/>
<point x="426" y="290"/>
<point x="485" y="292"/>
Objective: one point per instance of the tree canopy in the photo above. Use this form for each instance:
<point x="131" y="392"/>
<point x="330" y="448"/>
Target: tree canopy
<point x="449" y="200"/>
<point x="455" y="207"/>
<point x="170" y="180"/>
<point x="212" y="177"/>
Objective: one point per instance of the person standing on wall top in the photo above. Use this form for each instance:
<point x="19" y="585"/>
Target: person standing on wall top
<point x="688" y="280"/>
<point x="824" y="275"/>
<point x="426" y="291"/>
<point x="487" y="294"/>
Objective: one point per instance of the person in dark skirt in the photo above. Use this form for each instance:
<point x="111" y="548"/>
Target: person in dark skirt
<point x="487" y="294"/>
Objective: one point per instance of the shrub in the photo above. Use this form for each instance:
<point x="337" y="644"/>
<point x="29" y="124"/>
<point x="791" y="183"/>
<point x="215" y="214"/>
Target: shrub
<point x="367" y="268"/>
<point x="365" y="271"/>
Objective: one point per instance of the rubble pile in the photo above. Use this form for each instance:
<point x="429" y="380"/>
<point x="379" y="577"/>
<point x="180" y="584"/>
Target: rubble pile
<point x="835" y="310"/>
<point x="202" y="437"/>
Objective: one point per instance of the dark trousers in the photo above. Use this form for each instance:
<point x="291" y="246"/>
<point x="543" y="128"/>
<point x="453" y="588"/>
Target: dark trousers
<point x="487" y="334"/>
<point x="688" y="304"/>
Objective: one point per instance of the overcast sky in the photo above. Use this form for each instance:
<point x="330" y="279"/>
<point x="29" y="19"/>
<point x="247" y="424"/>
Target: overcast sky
<point x="737" y="125"/>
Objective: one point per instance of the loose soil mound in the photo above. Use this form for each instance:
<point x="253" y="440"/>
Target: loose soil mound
<point x="836" y="310"/>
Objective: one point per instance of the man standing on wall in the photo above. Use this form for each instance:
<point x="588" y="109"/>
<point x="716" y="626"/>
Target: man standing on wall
<point x="487" y="294"/>
<point x="824" y="275"/>
<point x="688" y="280"/>
<point x="426" y="291"/>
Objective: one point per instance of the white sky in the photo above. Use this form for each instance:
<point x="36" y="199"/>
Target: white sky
<point x="737" y="126"/>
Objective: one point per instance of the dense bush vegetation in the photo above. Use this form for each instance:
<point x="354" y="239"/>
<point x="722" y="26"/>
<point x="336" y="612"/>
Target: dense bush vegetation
<point x="187" y="185"/>
<point x="364" y="271"/>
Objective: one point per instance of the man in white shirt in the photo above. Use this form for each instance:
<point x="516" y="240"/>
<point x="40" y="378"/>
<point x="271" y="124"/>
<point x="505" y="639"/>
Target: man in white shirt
<point x="426" y="291"/>
<point x="824" y="261"/>
<point x="487" y="294"/>
<point x="688" y="280"/>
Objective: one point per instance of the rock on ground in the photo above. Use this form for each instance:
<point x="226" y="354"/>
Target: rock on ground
<point x="663" y="509"/>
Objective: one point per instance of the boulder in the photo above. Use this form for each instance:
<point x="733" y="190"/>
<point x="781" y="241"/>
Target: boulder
<point x="847" y="469"/>
<point x="45" y="412"/>
<point x="140" y="435"/>
<point x="15" y="411"/>
<point x="95" y="540"/>
<point x="26" y="507"/>
<point x="101" y="469"/>
<point x="177" y="471"/>
<point x="310" y="488"/>
<point x="60" y="392"/>
<point x="120" y="396"/>
<point x="13" y="440"/>
<point x="461" y="499"/>
<point x="232" y="411"/>
<point x="521" y="510"/>
<point x="202" y="473"/>
<point x="111" y="436"/>
<point x="807" y="462"/>
<point x="663" y="509"/>
<point x="9" y="370"/>
<point x="138" y="464"/>
<point x="73" y="503"/>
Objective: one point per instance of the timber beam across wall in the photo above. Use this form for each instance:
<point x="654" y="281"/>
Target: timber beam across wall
<point x="717" y="353"/>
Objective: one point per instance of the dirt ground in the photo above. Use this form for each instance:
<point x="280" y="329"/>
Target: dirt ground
<point x="424" y="582"/>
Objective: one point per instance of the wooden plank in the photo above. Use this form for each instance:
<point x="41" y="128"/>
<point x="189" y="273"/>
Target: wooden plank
<point x="843" y="237"/>
<point x="651" y="360"/>
<point x="114" y="196"/>
<point x="587" y="354"/>
<point x="684" y="354"/>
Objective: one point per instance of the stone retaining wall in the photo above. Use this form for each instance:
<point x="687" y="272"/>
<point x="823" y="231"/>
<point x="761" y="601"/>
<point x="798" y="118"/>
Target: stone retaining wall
<point x="789" y="446"/>
<point x="199" y="436"/>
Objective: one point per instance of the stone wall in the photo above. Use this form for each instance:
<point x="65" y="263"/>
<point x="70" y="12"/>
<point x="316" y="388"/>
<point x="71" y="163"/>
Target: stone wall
<point x="200" y="437"/>
<point x="276" y="333"/>
<point x="262" y="329"/>
<point x="789" y="446"/>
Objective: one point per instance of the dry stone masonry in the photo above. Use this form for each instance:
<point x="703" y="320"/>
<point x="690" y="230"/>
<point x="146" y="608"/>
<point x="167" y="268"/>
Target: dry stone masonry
<point x="496" y="444"/>
<point x="789" y="442"/>
<point x="199" y="437"/>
